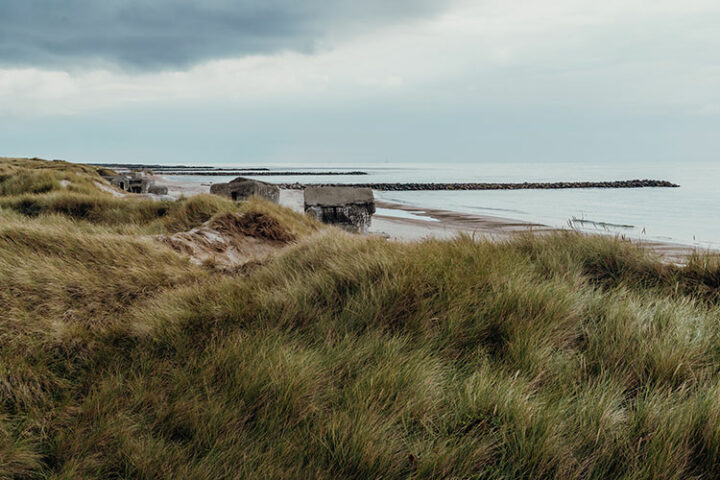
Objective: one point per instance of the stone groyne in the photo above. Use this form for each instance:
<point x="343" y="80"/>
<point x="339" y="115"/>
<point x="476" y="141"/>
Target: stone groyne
<point x="491" y="186"/>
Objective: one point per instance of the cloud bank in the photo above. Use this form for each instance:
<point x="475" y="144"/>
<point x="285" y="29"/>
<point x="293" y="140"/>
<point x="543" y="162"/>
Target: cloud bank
<point x="175" y="34"/>
<point x="401" y="79"/>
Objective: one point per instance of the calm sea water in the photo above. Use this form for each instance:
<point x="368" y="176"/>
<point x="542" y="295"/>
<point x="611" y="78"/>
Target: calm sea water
<point x="689" y="214"/>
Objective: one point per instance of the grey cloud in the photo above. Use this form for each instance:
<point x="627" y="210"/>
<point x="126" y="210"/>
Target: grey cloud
<point x="160" y="34"/>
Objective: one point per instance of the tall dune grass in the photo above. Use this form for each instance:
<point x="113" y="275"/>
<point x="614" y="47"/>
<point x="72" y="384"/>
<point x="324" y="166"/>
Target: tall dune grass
<point x="564" y="356"/>
<point x="21" y="175"/>
<point x="156" y="216"/>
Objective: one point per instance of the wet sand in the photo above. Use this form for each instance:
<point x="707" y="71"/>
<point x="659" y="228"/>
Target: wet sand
<point x="449" y="224"/>
<point x="444" y="223"/>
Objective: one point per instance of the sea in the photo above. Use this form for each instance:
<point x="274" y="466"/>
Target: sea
<point x="688" y="215"/>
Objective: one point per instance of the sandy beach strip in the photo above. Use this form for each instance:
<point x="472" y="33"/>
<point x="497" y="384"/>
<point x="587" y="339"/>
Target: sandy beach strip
<point x="448" y="224"/>
<point x="427" y="222"/>
<point x="406" y="223"/>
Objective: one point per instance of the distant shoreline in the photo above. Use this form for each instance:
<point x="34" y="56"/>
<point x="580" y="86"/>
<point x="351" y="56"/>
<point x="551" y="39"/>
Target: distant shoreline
<point x="447" y="224"/>
<point x="178" y="170"/>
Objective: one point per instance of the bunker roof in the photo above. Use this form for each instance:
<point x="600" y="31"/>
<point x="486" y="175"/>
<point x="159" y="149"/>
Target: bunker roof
<point x="334" y="196"/>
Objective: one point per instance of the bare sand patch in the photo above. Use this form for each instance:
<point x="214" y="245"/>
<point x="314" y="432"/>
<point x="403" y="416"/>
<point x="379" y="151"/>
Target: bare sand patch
<point x="231" y="240"/>
<point x="112" y="191"/>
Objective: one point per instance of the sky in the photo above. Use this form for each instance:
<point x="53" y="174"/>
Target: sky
<point x="324" y="82"/>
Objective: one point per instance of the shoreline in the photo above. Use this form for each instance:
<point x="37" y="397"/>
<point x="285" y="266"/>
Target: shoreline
<point x="409" y="223"/>
<point x="446" y="223"/>
<point x="449" y="224"/>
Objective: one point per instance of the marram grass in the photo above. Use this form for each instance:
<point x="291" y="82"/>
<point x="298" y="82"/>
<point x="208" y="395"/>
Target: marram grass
<point x="564" y="356"/>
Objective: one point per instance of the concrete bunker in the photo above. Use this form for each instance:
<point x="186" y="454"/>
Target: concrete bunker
<point x="243" y="188"/>
<point x="350" y="208"/>
<point x="135" y="182"/>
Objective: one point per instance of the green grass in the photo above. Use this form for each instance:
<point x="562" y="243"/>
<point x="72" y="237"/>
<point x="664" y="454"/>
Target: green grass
<point x="562" y="356"/>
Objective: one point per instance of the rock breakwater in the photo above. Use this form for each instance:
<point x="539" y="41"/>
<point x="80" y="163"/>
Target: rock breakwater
<point x="491" y="186"/>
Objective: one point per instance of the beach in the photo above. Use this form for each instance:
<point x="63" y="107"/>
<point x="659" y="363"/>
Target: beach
<point x="396" y="221"/>
<point x="405" y="223"/>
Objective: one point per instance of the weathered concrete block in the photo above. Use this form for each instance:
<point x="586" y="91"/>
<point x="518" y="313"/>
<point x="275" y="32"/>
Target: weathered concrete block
<point x="334" y="196"/>
<point x="243" y="188"/>
<point x="157" y="189"/>
<point x="133" y="182"/>
<point x="136" y="182"/>
<point x="347" y="207"/>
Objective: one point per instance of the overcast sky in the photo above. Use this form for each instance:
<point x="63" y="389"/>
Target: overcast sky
<point x="317" y="81"/>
